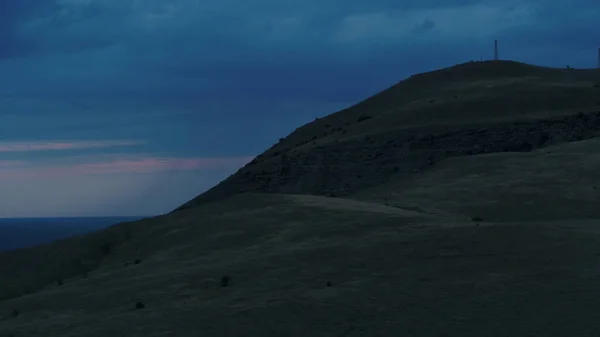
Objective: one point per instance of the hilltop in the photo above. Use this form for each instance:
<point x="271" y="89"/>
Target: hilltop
<point x="461" y="201"/>
<point x="471" y="108"/>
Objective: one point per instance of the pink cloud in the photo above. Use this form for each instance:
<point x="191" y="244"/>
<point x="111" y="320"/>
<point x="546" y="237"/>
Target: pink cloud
<point x="16" y="170"/>
<point x="145" y="165"/>
<point x="11" y="163"/>
<point x="63" y="145"/>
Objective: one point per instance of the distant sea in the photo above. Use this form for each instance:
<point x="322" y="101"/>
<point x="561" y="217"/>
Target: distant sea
<point x="24" y="232"/>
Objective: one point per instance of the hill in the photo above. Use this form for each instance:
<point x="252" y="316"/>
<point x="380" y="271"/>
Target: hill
<point x="472" y="108"/>
<point x="25" y="232"/>
<point x="451" y="221"/>
<point x="311" y="265"/>
<point x="557" y="183"/>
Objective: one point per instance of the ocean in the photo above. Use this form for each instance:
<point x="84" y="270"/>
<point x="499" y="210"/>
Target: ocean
<point x="25" y="232"/>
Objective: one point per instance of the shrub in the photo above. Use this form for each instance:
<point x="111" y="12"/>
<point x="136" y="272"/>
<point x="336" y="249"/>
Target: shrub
<point x="225" y="281"/>
<point x="363" y="117"/>
<point x="137" y="261"/>
<point x="476" y="218"/>
<point x="139" y="305"/>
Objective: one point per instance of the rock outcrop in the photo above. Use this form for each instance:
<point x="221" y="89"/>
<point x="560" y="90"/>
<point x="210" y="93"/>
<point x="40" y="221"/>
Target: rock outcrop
<point x="340" y="168"/>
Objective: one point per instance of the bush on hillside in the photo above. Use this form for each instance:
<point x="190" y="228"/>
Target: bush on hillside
<point x="363" y="117"/>
<point x="225" y="281"/>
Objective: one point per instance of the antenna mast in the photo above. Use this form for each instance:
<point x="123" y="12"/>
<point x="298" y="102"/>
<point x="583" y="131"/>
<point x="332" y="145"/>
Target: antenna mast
<point x="495" y="50"/>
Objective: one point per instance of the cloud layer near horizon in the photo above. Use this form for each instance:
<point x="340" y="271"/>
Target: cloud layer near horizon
<point x="95" y="185"/>
<point x="24" y="146"/>
<point x="154" y="85"/>
<point x="88" y="165"/>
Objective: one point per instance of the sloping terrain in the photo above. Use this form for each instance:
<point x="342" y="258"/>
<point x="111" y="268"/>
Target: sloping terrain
<point x="316" y="266"/>
<point x="27" y="270"/>
<point x="555" y="183"/>
<point x="472" y="108"/>
<point x="469" y="209"/>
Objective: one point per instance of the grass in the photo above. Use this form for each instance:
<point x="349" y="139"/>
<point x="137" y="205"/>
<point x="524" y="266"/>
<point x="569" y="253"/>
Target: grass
<point x="475" y="94"/>
<point x="401" y="257"/>
<point x="392" y="268"/>
<point x="551" y="184"/>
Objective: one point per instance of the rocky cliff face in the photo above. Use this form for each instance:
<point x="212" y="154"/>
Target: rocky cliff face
<point x="338" y="168"/>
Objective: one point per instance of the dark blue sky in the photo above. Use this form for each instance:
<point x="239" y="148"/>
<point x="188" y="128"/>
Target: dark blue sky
<point x="128" y="107"/>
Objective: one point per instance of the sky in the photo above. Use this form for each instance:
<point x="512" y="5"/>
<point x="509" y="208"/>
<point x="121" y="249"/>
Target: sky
<point x="132" y="107"/>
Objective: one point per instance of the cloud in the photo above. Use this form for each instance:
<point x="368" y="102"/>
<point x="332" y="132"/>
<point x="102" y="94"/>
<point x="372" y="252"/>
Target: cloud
<point x="113" y="164"/>
<point x="201" y="81"/>
<point x="62" y="145"/>
<point x="104" y="194"/>
<point x="424" y="27"/>
<point x="210" y="27"/>
<point x="558" y="26"/>
<point x="189" y="30"/>
<point x="146" y="165"/>
<point x="12" y="14"/>
<point x="450" y="23"/>
<point x="160" y="49"/>
<point x="11" y="163"/>
<point x="107" y="184"/>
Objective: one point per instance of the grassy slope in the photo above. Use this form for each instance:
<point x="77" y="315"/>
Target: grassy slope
<point x="559" y="182"/>
<point x="476" y="93"/>
<point x="470" y="93"/>
<point x="392" y="271"/>
<point x="422" y="269"/>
